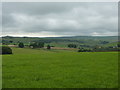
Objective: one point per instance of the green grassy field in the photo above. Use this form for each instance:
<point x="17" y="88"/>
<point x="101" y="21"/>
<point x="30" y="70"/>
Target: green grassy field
<point x="30" y="68"/>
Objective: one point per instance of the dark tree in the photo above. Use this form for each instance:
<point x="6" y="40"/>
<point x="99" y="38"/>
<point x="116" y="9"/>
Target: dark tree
<point x="21" y="45"/>
<point x="11" y="41"/>
<point x="40" y="44"/>
<point x="118" y="45"/>
<point x="48" y="47"/>
<point x="72" y="45"/>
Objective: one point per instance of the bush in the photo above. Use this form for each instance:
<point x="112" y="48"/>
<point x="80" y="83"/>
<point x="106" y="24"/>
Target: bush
<point x="21" y="45"/>
<point x="5" y="50"/>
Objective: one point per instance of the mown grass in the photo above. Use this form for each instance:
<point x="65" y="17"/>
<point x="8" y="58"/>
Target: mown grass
<point x="30" y="68"/>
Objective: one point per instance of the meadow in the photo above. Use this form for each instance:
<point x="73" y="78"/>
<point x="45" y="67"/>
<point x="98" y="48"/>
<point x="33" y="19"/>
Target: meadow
<point x="38" y="68"/>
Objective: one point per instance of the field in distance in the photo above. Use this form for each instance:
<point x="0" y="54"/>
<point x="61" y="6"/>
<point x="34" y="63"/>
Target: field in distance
<point x="32" y="68"/>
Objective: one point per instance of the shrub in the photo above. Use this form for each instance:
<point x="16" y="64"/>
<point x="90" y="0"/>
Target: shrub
<point x="5" y="50"/>
<point x="21" y="45"/>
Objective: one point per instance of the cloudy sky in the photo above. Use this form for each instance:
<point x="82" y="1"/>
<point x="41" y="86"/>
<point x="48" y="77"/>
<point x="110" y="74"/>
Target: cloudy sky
<point x="50" y="19"/>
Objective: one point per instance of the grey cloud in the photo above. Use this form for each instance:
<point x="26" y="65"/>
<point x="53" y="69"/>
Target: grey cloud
<point x="60" y="18"/>
<point x="36" y="8"/>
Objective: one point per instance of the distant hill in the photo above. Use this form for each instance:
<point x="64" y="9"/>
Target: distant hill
<point x="64" y="41"/>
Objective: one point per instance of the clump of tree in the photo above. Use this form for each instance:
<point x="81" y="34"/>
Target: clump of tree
<point x="103" y="49"/>
<point x="85" y="50"/>
<point x="21" y="45"/>
<point x="84" y="46"/>
<point x="48" y="47"/>
<point x="5" y="50"/>
<point x="72" y="45"/>
<point x="5" y="42"/>
<point x="37" y="45"/>
<point x="104" y="42"/>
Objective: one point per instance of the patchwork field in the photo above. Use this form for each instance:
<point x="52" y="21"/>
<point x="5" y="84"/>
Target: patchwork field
<point x="31" y="68"/>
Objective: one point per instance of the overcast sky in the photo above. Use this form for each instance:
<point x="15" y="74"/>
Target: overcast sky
<point x="59" y="19"/>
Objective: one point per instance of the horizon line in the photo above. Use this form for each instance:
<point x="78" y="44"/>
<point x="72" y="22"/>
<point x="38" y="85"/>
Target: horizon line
<point x="62" y="36"/>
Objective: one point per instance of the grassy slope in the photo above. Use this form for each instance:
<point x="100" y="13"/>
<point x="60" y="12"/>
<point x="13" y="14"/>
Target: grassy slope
<point x="111" y="44"/>
<point x="28" y="68"/>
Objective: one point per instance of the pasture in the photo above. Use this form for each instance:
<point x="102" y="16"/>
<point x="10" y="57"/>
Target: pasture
<point x="32" y="68"/>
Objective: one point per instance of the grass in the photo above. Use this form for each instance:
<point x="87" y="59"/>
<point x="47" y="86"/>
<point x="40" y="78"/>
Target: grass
<point x="30" y="68"/>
